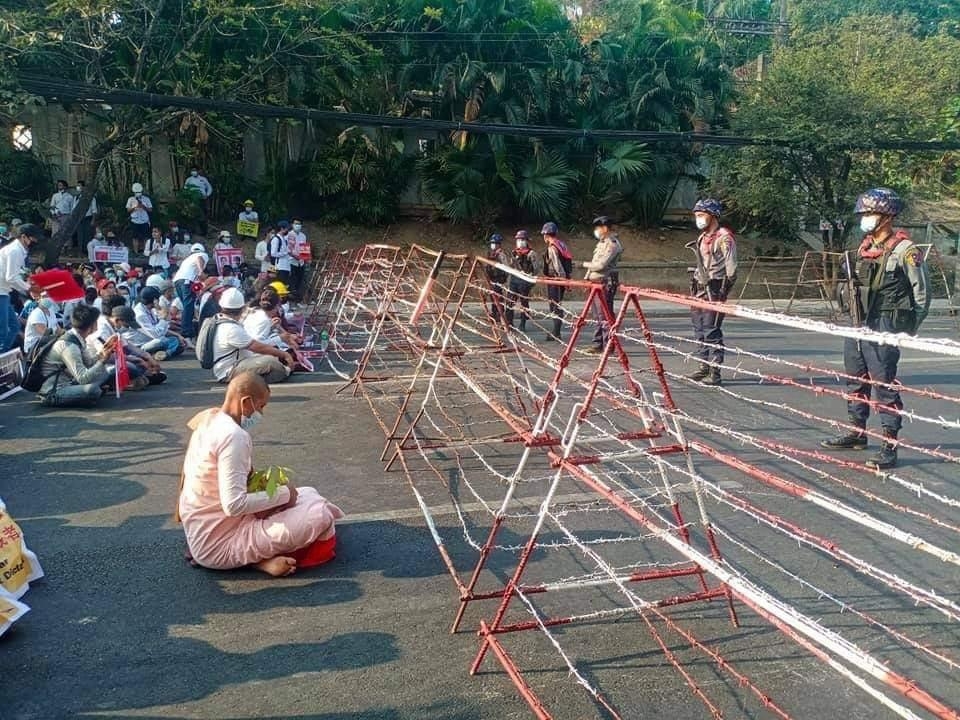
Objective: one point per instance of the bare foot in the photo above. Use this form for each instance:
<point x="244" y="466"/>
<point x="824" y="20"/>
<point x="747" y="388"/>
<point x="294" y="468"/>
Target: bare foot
<point x="277" y="566"/>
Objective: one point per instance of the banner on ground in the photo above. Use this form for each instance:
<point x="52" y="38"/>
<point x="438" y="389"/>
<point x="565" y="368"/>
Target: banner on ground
<point x="228" y="256"/>
<point x="18" y="565"/>
<point x="11" y="373"/>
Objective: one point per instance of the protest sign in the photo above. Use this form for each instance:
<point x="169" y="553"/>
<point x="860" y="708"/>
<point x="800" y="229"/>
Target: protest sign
<point x="110" y="254"/>
<point x="247" y="228"/>
<point x="228" y="256"/>
<point x="11" y="373"/>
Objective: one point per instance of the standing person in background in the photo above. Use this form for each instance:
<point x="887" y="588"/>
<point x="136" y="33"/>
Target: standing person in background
<point x="248" y="214"/>
<point x="13" y="271"/>
<point x="602" y="269"/>
<point x="888" y="291"/>
<point x="280" y="251"/>
<point x="526" y="260"/>
<point x="157" y="251"/>
<point x="558" y="263"/>
<point x="262" y="253"/>
<point x="497" y="277"/>
<point x="202" y="187"/>
<point x="713" y="277"/>
<point x="192" y="270"/>
<point x="296" y="240"/>
<point x="139" y="207"/>
<point x="89" y="220"/>
<point x="61" y="205"/>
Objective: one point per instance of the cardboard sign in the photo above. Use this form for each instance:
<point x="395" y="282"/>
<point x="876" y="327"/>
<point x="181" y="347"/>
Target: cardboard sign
<point x="246" y="227"/>
<point x="10" y="610"/>
<point x="110" y="255"/>
<point x="228" y="256"/>
<point x="11" y="373"/>
<point x="18" y="566"/>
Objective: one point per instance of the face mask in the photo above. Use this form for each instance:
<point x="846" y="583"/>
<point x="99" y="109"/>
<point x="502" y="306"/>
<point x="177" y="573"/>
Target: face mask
<point x="47" y="303"/>
<point x="521" y="244"/>
<point x="251" y="421"/>
<point x="597" y="234"/>
<point x="138" y="195"/>
<point x="493" y="246"/>
<point x="174" y="229"/>
<point x="193" y="173"/>
<point x="702" y="223"/>
<point x="186" y="237"/>
<point x="868" y="223"/>
<point x="3" y="229"/>
<point x="99" y="235"/>
<point x="79" y="189"/>
<point x="297" y="227"/>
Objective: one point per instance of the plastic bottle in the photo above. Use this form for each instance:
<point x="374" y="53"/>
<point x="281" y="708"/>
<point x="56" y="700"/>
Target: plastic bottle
<point x="324" y="340"/>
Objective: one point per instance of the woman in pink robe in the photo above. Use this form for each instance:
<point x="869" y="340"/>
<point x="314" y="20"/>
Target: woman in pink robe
<point x="226" y="526"/>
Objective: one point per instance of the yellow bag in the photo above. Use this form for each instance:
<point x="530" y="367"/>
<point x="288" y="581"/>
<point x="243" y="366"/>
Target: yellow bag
<point x="18" y="566"/>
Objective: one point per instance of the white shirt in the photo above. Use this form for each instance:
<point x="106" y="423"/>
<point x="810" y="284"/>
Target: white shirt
<point x="95" y="340"/>
<point x="229" y="347"/>
<point x="280" y="251"/>
<point x="37" y="316"/>
<point x="260" y="327"/>
<point x="149" y="322"/>
<point x="191" y="268"/>
<point x="92" y="209"/>
<point x="201" y="184"/>
<point x="180" y="251"/>
<point x="92" y="247"/>
<point x="260" y="253"/>
<point x="157" y="252"/>
<point x="223" y="246"/>
<point x="13" y="259"/>
<point x="169" y="307"/>
<point x="249" y="216"/>
<point x="140" y="216"/>
<point x="62" y="203"/>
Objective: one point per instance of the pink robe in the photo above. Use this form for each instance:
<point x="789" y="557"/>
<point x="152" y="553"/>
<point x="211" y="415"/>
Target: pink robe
<point x="226" y="526"/>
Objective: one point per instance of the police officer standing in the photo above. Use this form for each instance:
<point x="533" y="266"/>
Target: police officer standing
<point x="888" y="291"/>
<point x="496" y="276"/>
<point x="602" y="268"/>
<point x="557" y="263"/>
<point x="713" y="276"/>
<point x="526" y="260"/>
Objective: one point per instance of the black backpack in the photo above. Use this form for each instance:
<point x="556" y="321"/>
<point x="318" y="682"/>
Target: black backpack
<point x="34" y="378"/>
<point x="206" y="337"/>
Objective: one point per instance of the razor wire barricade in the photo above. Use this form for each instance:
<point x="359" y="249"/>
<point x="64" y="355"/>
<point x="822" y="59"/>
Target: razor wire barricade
<point x="605" y="492"/>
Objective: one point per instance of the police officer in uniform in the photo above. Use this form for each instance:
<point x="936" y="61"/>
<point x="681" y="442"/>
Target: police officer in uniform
<point x="888" y="291"/>
<point x="602" y="268"/>
<point x="497" y="277"/>
<point x="526" y="260"/>
<point x="711" y="279"/>
<point x="557" y="263"/>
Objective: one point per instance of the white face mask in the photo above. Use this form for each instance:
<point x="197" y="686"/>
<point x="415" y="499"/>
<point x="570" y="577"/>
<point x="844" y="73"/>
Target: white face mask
<point x="248" y="422"/>
<point x="598" y="234"/>
<point x="174" y="229"/>
<point x="521" y="244"/>
<point x="138" y="195"/>
<point x="297" y="227"/>
<point x="193" y="173"/>
<point x="494" y="246"/>
<point x="702" y="223"/>
<point x="47" y="303"/>
<point x="186" y="237"/>
<point x="99" y="235"/>
<point x="868" y="223"/>
<point x="79" y="190"/>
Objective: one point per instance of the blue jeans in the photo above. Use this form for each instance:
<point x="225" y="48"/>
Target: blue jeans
<point x="189" y="307"/>
<point x="9" y="324"/>
<point x="169" y="345"/>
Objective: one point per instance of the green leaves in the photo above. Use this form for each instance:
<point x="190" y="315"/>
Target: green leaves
<point x="544" y="184"/>
<point x="269" y="480"/>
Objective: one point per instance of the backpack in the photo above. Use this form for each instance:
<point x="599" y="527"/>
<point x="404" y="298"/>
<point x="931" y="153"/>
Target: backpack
<point x="34" y="378"/>
<point x="205" y="338"/>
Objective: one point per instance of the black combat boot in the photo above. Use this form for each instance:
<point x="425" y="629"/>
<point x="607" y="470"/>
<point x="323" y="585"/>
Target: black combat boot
<point x="555" y="335"/>
<point x="713" y="377"/>
<point x="886" y="458"/>
<point x="702" y="374"/>
<point x="851" y="441"/>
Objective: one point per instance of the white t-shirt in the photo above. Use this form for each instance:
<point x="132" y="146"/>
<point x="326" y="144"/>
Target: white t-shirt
<point x="149" y="322"/>
<point x="281" y="251"/>
<point x="157" y="252"/>
<point x="191" y="268"/>
<point x="229" y="347"/>
<point x="249" y="216"/>
<point x="37" y="316"/>
<point x="105" y="331"/>
<point x="260" y="327"/>
<point x="141" y="215"/>
<point x="260" y="253"/>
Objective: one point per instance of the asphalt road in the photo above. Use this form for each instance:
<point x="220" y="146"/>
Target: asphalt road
<point x="122" y="627"/>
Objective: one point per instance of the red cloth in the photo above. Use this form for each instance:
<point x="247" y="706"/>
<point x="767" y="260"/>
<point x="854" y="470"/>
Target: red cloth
<point x="318" y="553"/>
<point x="122" y="371"/>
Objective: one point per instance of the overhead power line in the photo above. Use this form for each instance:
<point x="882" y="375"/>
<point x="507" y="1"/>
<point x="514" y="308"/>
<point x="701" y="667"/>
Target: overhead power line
<point x="73" y="92"/>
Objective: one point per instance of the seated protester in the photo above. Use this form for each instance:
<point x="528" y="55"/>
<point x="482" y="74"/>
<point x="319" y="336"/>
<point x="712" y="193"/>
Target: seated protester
<point x="144" y="369"/>
<point x="209" y="304"/>
<point x="67" y="308"/>
<point x="29" y="305"/>
<point x="123" y="290"/>
<point x="155" y="327"/>
<point x="106" y="288"/>
<point x="71" y="379"/>
<point x="235" y="352"/>
<point x="228" y="277"/>
<point x="125" y="323"/>
<point x="262" y="321"/>
<point x="42" y="318"/>
<point x="225" y="525"/>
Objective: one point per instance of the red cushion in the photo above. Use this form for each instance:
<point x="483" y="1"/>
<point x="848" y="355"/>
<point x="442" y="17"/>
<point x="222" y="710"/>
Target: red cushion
<point x="318" y="553"/>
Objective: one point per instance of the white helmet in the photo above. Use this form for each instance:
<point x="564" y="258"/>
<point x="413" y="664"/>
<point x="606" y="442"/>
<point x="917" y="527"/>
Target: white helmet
<point x="231" y="299"/>
<point x="197" y="247"/>
<point x="137" y="187"/>
<point x="156" y="281"/>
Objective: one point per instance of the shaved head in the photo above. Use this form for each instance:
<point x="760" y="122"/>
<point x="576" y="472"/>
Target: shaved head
<point x="248" y="384"/>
